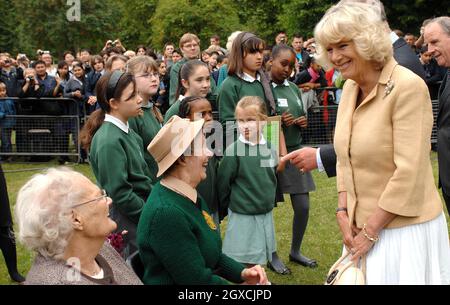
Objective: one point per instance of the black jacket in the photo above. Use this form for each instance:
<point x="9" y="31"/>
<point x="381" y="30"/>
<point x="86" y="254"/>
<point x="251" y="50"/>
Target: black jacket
<point x="443" y="135"/>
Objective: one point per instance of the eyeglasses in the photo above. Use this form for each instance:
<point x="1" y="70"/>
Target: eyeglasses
<point x="149" y="75"/>
<point x="190" y="45"/>
<point x="104" y="195"/>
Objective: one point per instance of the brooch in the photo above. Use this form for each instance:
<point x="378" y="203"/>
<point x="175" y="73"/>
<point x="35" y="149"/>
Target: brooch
<point x="209" y="220"/>
<point x="389" y="87"/>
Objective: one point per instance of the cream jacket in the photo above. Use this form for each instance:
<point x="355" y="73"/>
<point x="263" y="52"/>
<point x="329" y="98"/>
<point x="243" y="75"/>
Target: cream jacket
<point x="383" y="149"/>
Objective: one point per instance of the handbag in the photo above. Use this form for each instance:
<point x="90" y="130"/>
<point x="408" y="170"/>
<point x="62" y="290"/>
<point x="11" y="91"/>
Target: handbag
<point x="347" y="273"/>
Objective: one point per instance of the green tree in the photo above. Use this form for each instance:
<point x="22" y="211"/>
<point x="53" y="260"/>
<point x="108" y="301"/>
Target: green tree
<point x="7" y="26"/>
<point x="301" y="16"/>
<point x="134" y="23"/>
<point x="202" y="17"/>
<point x="261" y="17"/>
<point x="44" y="24"/>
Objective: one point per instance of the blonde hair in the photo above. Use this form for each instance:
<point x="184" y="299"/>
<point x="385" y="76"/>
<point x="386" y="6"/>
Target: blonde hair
<point x="254" y="102"/>
<point x="188" y="37"/>
<point x="141" y="64"/>
<point x="43" y="210"/>
<point x="357" y="22"/>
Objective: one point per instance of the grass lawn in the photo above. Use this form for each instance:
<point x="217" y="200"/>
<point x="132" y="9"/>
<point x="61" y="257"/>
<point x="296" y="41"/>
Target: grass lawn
<point x="322" y="240"/>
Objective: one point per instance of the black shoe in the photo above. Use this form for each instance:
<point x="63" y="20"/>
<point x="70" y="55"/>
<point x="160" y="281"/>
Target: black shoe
<point x="311" y="263"/>
<point x="284" y="271"/>
<point x="16" y="277"/>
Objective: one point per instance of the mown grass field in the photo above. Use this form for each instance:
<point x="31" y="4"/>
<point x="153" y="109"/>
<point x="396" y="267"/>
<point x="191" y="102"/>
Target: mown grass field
<point x="322" y="240"/>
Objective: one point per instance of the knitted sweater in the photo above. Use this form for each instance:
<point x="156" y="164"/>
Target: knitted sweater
<point x="232" y="90"/>
<point x="118" y="164"/>
<point x="147" y="126"/>
<point x="48" y="271"/>
<point x="288" y="98"/>
<point x="177" y="246"/>
<point x="246" y="179"/>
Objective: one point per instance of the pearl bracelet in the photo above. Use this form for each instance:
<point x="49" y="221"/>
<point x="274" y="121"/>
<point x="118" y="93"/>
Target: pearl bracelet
<point x="372" y="239"/>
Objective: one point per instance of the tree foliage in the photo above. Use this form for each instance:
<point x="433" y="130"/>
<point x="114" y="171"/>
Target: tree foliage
<point x="202" y="17"/>
<point x="29" y="25"/>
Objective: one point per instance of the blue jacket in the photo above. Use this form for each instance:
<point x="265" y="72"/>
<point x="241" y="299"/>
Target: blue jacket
<point x="7" y="108"/>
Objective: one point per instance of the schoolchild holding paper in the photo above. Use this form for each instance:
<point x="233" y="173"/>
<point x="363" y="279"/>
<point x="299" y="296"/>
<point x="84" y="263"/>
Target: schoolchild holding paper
<point x="292" y="181"/>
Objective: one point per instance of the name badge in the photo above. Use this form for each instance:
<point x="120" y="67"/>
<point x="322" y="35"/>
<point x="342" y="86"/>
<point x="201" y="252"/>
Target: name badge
<point x="282" y="102"/>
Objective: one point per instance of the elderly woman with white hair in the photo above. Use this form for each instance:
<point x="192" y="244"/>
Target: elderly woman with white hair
<point x="389" y="209"/>
<point x="64" y="217"/>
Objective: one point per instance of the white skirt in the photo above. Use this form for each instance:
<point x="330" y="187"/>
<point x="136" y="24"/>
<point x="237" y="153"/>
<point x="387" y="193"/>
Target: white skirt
<point x="413" y="255"/>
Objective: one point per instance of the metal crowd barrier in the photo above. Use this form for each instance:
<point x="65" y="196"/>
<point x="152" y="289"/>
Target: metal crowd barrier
<point x="44" y="127"/>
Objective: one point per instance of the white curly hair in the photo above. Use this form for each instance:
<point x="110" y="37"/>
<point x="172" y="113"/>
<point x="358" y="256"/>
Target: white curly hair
<point x="43" y="210"/>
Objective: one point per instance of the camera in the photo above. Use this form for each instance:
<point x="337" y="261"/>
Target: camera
<point x="30" y="78"/>
<point x="40" y="52"/>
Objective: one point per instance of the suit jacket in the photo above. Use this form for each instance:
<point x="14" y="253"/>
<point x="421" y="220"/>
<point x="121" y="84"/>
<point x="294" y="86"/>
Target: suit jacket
<point x="443" y="135"/>
<point x="405" y="57"/>
<point x="383" y="150"/>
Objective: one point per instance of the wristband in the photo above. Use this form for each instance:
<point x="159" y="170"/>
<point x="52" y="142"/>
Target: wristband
<point x="341" y="210"/>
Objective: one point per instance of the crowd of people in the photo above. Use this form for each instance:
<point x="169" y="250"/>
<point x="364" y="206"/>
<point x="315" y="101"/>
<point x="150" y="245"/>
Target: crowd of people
<point x="167" y="174"/>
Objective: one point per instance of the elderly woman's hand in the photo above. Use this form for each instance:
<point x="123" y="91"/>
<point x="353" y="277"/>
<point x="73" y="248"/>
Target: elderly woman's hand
<point x="254" y="275"/>
<point x="361" y="245"/>
<point x="346" y="231"/>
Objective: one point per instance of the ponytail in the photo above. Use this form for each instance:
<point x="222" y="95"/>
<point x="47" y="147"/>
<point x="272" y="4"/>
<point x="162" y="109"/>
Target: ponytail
<point x="89" y="129"/>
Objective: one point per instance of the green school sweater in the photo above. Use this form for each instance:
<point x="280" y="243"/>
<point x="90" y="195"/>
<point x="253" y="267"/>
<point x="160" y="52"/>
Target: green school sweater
<point x="177" y="246"/>
<point x="231" y="92"/>
<point x="117" y="161"/>
<point x="147" y="126"/>
<point x="246" y="179"/>
<point x="174" y="74"/>
<point x="173" y="110"/>
<point x="294" y="105"/>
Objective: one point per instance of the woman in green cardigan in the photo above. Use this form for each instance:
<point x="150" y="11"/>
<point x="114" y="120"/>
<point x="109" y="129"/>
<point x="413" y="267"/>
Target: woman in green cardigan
<point x="116" y="152"/>
<point x="178" y="241"/>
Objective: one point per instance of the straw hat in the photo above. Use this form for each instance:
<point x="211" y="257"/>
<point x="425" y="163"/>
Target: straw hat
<point x="172" y="141"/>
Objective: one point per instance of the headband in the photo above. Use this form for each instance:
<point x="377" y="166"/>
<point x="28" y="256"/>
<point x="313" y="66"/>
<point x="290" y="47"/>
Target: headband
<point x="112" y="84"/>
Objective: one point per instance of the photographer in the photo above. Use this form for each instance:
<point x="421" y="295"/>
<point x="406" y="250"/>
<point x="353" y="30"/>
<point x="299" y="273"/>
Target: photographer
<point x="85" y="58"/>
<point x="281" y="37"/>
<point x="10" y="75"/>
<point x="31" y="87"/>
<point x="120" y="49"/>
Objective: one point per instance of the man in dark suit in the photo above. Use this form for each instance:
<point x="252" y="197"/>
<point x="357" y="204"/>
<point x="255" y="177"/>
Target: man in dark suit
<point x="437" y="36"/>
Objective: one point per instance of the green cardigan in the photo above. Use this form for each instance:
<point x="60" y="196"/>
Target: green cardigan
<point x="177" y="246"/>
<point x="232" y="90"/>
<point x="291" y="93"/>
<point x="246" y="179"/>
<point x="147" y="126"/>
<point x="117" y="161"/>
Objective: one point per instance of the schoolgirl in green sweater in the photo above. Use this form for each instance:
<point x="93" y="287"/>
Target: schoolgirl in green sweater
<point x="247" y="187"/>
<point x="116" y="154"/>
<point x="292" y="181"/>
<point x="194" y="80"/>
<point x="149" y="122"/>
<point x="245" y="78"/>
